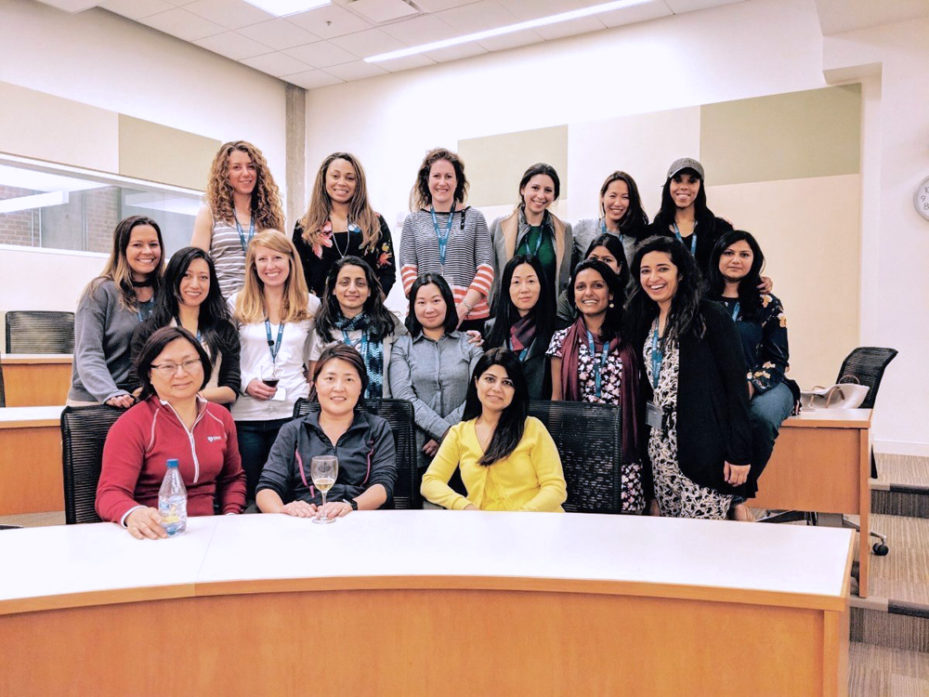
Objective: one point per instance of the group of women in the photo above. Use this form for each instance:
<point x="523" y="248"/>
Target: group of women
<point x="668" y="321"/>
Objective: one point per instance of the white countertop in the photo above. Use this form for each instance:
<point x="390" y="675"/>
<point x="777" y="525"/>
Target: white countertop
<point x="781" y="559"/>
<point x="30" y="414"/>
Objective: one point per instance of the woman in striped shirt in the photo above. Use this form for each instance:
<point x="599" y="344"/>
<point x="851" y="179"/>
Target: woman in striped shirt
<point x="443" y="236"/>
<point x="241" y="199"/>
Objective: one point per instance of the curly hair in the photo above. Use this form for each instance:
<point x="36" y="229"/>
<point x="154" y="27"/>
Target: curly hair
<point x="266" y="208"/>
<point x="359" y="210"/>
<point x="420" y="197"/>
<point x="250" y="301"/>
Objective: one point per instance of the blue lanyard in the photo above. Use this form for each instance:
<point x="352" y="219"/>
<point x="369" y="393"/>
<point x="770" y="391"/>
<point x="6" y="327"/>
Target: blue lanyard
<point x="251" y="232"/>
<point x="657" y="356"/>
<point x="274" y="346"/>
<point x="538" y="242"/>
<point x="604" y="231"/>
<point x="598" y="367"/>
<point x="522" y="354"/>
<point x="735" y="311"/>
<point x="361" y="345"/>
<point x="439" y="235"/>
<point x="693" y="239"/>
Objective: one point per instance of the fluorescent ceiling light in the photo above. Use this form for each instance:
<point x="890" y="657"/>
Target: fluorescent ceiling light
<point x="279" y="8"/>
<point x="25" y="203"/>
<point x="507" y="29"/>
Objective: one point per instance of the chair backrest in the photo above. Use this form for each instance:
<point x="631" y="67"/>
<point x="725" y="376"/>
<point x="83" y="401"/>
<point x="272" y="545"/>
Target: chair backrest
<point x="589" y="441"/>
<point x="38" y="331"/>
<point x="399" y="414"/>
<point x="83" y="433"/>
<point x="867" y="364"/>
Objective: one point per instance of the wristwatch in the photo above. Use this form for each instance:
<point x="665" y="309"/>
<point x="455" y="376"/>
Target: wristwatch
<point x="353" y="503"/>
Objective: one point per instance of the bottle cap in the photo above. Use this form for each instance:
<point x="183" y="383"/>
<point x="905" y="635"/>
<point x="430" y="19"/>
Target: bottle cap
<point x="172" y="462"/>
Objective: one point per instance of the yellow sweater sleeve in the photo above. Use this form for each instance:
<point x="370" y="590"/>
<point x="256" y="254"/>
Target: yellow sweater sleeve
<point x="435" y="486"/>
<point x="544" y="455"/>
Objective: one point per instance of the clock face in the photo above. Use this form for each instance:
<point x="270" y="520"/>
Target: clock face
<point x="921" y="198"/>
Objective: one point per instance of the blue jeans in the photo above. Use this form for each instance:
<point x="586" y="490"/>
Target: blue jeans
<point x="255" y="441"/>
<point x="766" y="413"/>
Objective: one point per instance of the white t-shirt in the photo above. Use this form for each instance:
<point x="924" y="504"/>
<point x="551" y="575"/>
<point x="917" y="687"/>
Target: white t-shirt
<point x="296" y="341"/>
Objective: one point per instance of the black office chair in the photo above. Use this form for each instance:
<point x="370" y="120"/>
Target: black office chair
<point x="2" y="390"/>
<point x="864" y="365"/>
<point x="38" y="331"/>
<point x="399" y="414"/>
<point x="83" y="433"/>
<point x="589" y="440"/>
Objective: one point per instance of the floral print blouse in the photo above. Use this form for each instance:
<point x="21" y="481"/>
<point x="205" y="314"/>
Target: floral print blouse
<point x="764" y="342"/>
<point x="610" y="376"/>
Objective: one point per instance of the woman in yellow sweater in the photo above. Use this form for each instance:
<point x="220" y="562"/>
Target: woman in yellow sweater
<point x="508" y="460"/>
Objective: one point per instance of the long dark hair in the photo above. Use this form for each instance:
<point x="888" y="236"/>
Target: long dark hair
<point x="668" y="210"/>
<point x="450" y="323"/>
<point x="512" y="423"/>
<point x="749" y="296"/>
<point x="381" y="321"/>
<point x="635" y="218"/>
<point x="543" y="313"/>
<point x="346" y="353"/>
<point x="612" y="323"/>
<point x="685" y="314"/>
<point x="153" y="348"/>
<point x="615" y="247"/>
<point x="117" y="266"/>
<point x="213" y="311"/>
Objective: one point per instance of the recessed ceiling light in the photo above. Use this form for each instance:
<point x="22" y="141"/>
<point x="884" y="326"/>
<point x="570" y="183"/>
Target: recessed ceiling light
<point x="279" y="8"/>
<point x="507" y="29"/>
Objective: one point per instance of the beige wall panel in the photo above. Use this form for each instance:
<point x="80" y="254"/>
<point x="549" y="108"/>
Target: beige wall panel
<point x="39" y="125"/>
<point x="495" y="164"/>
<point x="642" y="145"/>
<point x="158" y="153"/>
<point x="808" y="230"/>
<point x="814" y="133"/>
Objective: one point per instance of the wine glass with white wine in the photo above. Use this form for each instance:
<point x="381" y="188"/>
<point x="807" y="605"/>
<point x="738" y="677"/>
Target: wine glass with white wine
<point x="324" y="470"/>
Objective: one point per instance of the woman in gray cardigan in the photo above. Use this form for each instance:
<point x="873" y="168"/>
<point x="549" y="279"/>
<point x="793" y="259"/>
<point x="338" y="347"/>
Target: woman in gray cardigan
<point x="109" y="310"/>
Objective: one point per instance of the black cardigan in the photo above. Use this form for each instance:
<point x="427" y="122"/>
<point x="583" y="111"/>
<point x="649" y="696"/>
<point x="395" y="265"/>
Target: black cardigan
<point x="535" y="367"/>
<point x="709" y="229"/>
<point x="712" y="401"/>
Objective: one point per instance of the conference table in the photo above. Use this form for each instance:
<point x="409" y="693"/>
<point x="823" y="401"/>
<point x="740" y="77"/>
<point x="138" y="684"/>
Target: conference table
<point x="427" y="602"/>
<point x="36" y="379"/>
<point x="822" y="462"/>
<point x="30" y="460"/>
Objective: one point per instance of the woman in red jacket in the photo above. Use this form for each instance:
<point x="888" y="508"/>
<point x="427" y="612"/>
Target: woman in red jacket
<point x="170" y="421"/>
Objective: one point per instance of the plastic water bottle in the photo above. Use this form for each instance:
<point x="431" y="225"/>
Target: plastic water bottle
<point x="172" y="500"/>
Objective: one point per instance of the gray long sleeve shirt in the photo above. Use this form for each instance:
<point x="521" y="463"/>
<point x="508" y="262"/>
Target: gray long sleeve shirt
<point x="102" y="335"/>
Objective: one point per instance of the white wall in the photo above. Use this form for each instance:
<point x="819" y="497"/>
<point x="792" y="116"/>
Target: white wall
<point x="107" y="62"/>
<point x="750" y="49"/>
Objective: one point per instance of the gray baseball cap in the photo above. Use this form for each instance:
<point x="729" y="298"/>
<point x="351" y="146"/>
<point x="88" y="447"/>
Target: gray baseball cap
<point x="685" y="163"/>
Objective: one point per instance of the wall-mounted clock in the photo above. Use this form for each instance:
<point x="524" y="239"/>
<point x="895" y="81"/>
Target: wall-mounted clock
<point x="921" y="198"/>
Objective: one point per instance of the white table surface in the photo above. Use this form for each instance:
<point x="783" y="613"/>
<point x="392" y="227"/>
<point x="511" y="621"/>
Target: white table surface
<point x="9" y="414"/>
<point x="61" y="560"/>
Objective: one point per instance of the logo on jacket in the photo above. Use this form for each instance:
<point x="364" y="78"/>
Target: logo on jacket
<point x="210" y="439"/>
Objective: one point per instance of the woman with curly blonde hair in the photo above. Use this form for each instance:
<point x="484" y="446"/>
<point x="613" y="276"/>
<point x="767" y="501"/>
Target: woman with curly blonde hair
<point x="275" y="316"/>
<point x="340" y="222"/>
<point x="241" y="197"/>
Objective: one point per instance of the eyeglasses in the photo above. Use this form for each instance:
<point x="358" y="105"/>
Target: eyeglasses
<point x="168" y="369"/>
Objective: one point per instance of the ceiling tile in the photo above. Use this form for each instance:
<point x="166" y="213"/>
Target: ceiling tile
<point x="356" y="70"/>
<point x="232" y="14"/>
<point x="636" y="13"/>
<point x="329" y="21"/>
<point x="136" y="9"/>
<point x="321" y="54"/>
<point x="368" y="43"/>
<point x="276" y="64"/>
<point x="232" y="45"/>
<point x="182" y="24"/>
<point x="573" y="27"/>
<point x="439" y="5"/>
<point x="544" y="8"/>
<point x="311" y="79"/>
<point x="519" y="38"/>
<point x="453" y="53"/>
<point x="378" y="11"/>
<point x="681" y="6"/>
<point x="408" y="63"/>
<point x="279" y="34"/>
<point x="477" y="16"/>
<point x="417" y="30"/>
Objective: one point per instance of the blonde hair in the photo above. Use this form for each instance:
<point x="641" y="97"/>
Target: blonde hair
<point x="250" y="301"/>
<point x="266" y="208"/>
<point x="359" y="210"/>
<point x="117" y="268"/>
